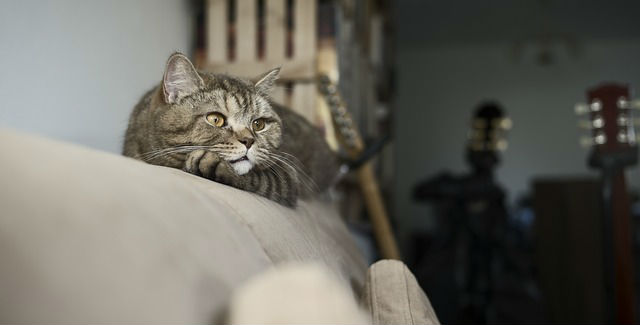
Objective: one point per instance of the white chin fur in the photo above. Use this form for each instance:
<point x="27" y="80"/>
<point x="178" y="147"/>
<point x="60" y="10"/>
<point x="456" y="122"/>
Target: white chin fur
<point x="242" y="167"/>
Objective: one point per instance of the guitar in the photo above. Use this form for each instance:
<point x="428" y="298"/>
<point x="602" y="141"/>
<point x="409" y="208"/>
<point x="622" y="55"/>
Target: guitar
<point x="613" y="143"/>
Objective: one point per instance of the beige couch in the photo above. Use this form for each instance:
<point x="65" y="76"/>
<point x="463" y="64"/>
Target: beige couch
<point x="89" y="236"/>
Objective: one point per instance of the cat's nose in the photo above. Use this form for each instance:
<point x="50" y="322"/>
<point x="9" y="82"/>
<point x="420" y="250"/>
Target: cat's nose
<point x="248" y="142"/>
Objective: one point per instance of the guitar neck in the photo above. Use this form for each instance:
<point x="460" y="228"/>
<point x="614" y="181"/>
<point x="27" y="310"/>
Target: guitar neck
<point x="619" y="210"/>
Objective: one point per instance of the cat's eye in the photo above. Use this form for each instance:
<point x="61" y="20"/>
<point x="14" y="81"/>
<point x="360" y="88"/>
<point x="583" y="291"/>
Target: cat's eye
<point x="258" y="124"/>
<point x="215" y="119"/>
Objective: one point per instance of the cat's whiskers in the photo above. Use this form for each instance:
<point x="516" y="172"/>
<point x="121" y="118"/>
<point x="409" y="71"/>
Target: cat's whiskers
<point x="154" y="154"/>
<point x="298" y="162"/>
<point x="151" y="155"/>
<point x="305" y="180"/>
<point x="285" y="161"/>
<point x="271" y="166"/>
<point x="275" y="165"/>
<point x="298" y="168"/>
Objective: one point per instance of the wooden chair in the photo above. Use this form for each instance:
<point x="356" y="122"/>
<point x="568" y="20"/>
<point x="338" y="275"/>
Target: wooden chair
<point x="246" y="58"/>
<point x="245" y="40"/>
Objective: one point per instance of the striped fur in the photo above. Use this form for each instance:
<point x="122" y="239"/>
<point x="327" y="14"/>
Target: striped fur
<point x="287" y="159"/>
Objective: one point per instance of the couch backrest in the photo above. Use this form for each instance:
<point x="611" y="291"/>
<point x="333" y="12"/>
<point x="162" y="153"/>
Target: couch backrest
<point x="88" y="236"/>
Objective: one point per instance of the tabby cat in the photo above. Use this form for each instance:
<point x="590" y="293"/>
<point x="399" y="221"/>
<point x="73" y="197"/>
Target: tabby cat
<point x="228" y="130"/>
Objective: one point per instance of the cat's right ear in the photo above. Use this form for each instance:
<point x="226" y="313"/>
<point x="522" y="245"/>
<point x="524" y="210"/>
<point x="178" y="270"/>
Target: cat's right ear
<point x="267" y="81"/>
<point x="180" y="78"/>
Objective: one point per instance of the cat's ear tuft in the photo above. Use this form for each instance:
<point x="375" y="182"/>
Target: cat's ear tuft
<point x="266" y="81"/>
<point x="180" y="78"/>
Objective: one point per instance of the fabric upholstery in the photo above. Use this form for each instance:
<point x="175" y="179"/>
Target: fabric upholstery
<point x="92" y="237"/>
<point x="393" y="295"/>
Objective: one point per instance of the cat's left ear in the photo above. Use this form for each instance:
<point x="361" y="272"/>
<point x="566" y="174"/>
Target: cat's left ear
<point x="266" y="81"/>
<point x="180" y="78"/>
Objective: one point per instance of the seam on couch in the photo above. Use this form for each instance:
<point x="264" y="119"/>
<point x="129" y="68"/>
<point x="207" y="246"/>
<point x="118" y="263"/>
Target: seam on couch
<point x="374" y="307"/>
<point x="406" y="286"/>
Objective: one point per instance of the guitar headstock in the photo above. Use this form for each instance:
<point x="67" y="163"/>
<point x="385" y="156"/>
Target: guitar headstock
<point x="489" y="126"/>
<point x="611" y="122"/>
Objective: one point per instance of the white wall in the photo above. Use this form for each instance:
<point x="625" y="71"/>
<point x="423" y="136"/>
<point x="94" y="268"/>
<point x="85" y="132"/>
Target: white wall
<point x="74" y="69"/>
<point x="438" y="87"/>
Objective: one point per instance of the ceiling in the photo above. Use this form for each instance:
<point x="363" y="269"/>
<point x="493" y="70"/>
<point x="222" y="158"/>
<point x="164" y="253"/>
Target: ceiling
<point x="428" y="21"/>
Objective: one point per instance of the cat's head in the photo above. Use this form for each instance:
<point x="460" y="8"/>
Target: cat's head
<point x="226" y="115"/>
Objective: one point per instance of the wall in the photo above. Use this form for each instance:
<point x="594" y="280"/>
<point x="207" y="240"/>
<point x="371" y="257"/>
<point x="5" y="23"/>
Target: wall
<point x="438" y="86"/>
<point x="74" y="69"/>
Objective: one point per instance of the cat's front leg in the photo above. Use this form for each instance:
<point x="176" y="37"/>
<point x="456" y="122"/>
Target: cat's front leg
<point x="277" y="186"/>
<point x="210" y="165"/>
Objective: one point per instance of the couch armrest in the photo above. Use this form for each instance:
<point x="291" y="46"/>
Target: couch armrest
<point x="393" y="296"/>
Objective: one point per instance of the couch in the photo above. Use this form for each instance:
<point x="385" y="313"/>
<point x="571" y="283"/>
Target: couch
<point x="89" y="236"/>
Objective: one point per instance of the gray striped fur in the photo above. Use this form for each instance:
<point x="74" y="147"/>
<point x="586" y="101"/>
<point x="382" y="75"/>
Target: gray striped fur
<point x="168" y="127"/>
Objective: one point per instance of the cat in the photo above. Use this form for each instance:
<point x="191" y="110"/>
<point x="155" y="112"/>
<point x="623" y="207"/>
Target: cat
<point x="227" y="129"/>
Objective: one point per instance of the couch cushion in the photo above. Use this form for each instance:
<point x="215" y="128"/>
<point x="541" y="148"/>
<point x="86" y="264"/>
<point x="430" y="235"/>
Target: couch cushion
<point x="89" y="236"/>
<point x="393" y="295"/>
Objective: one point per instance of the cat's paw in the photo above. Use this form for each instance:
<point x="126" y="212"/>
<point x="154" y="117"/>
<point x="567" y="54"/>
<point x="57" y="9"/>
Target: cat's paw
<point x="202" y="163"/>
<point x="225" y="174"/>
<point x="209" y="165"/>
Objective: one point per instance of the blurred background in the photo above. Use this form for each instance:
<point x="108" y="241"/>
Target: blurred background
<point x="484" y="164"/>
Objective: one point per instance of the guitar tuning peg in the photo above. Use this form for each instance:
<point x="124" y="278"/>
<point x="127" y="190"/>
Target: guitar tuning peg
<point x="623" y="137"/>
<point x="501" y="145"/>
<point x="594" y="106"/>
<point x="596" y="123"/>
<point x="600" y="138"/>
<point x="506" y="124"/>
<point x="623" y="120"/>
<point x="585" y="124"/>
<point x="581" y="109"/>
<point x="623" y="103"/>
<point x="626" y="121"/>
<point x="586" y="142"/>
